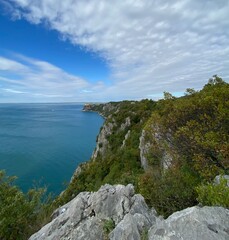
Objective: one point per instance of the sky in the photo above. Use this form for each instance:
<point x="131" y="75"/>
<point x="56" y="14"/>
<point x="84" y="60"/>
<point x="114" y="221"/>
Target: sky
<point x="103" y="50"/>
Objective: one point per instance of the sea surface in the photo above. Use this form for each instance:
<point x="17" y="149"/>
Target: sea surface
<point x="42" y="144"/>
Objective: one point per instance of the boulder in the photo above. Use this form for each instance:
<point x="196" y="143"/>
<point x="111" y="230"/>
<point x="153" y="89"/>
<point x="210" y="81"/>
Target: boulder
<point x="195" y="223"/>
<point x="85" y="215"/>
<point x="117" y="213"/>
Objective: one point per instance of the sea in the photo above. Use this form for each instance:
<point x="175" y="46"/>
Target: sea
<point x="42" y="144"/>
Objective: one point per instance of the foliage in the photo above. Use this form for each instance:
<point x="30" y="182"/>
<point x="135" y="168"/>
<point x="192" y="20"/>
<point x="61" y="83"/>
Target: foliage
<point x="108" y="226"/>
<point x="215" y="80"/>
<point x="212" y="194"/>
<point x="190" y="91"/>
<point x="21" y="214"/>
<point x="144" y="234"/>
<point x="118" y="165"/>
<point x="191" y="130"/>
<point x="168" y="96"/>
<point x="170" y="192"/>
<point x="197" y="126"/>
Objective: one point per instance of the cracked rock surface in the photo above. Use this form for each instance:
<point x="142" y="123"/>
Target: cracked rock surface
<point x="84" y="216"/>
<point x="194" y="223"/>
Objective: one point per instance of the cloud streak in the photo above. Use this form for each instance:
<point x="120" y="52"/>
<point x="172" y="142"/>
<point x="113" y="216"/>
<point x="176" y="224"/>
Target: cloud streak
<point x="38" y="79"/>
<point x="150" y="46"/>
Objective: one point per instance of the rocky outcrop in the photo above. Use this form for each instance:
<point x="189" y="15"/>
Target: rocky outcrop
<point x="104" y="109"/>
<point x="102" y="142"/>
<point x="125" y="139"/>
<point x="126" y="124"/>
<point x="195" y="223"/>
<point x="144" y="148"/>
<point x="107" y="129"/>
<point x="87" y="107"/>
<point x="84" y="217"/>
<point x="155" y="145"/>
<point x="87" y="215"/>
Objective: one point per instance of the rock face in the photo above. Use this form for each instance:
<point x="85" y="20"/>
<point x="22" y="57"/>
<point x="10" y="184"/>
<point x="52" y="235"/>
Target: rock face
<point x="87" y="107"/>
<point x="126" y="124"/>
<point x="102" y="142"/>
<point x="193" y="223"/>
<point x="144" y="148"/>
<point x="107" y="129"/>
<point x="126" y="137"/>
<point x="85" y="216"/>
<point x="155" y="144"/>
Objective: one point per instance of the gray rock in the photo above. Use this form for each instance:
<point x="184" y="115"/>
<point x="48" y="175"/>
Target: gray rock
<point x="126" y="124"/>
<point x="144" y="148"/>
<point x="139" y="218"/>
<point x="207" y="223"/>
<point x="84" y="216"/>
<point x="125" y="139"/>
<point x="102" y="142"/>
<point x="131" y="227"/>
<point x="127" y="229"/>
<point x="155" y="141"/>
<point x="217" y="179"/>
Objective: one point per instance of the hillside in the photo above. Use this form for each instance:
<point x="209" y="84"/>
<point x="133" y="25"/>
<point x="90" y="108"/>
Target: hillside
<point x="166" y="149"/>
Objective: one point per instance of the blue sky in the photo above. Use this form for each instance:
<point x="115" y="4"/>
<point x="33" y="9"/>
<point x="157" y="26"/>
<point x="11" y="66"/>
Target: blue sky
<point x="97" y="50"/>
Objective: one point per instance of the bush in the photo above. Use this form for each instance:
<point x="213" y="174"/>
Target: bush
<point x="170" y="192"/>
<point x="21" y="214"/>
<point x="212" y="194"/>
<point x="108" y="226"/>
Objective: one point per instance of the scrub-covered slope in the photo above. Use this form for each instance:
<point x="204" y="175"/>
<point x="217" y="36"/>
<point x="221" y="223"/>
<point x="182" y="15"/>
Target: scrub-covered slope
<point x="165" y="149"/>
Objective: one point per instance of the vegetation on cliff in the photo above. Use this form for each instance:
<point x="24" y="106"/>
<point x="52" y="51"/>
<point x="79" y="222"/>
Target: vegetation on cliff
<point x="188" y="134"/>
<point x="193" y="132"/>
<point x="118" y="162"/>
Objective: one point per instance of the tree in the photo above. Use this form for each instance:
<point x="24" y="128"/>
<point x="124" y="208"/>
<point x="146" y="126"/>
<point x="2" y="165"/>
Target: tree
<point x="215" y="80"/>
<point x="190" y="91"/>
<point x="168" y="95"/>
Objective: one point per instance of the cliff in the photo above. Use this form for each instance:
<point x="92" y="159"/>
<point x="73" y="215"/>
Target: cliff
<point x="115" y="159"/>
<point x="168" y="151"/>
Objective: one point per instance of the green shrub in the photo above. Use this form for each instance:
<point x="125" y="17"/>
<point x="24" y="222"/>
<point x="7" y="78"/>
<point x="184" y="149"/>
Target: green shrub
<point x="21" y="214"/>
<point x="170" y="192"/>
<point x="212" y="194"/>
<point x="144" y="234"/>
<point x="108" y="226"/>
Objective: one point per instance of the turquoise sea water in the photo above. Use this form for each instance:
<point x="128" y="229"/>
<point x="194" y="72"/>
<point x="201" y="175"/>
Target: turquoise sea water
<point x="44" y="143"/>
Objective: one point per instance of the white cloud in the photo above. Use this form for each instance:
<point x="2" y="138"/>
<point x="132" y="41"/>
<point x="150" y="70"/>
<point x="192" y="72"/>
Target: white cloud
<point x="38" y="80"/>
<point x="151" y="46"/>
<point x="9" y="65"/>
<point x="12" y="90"/>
